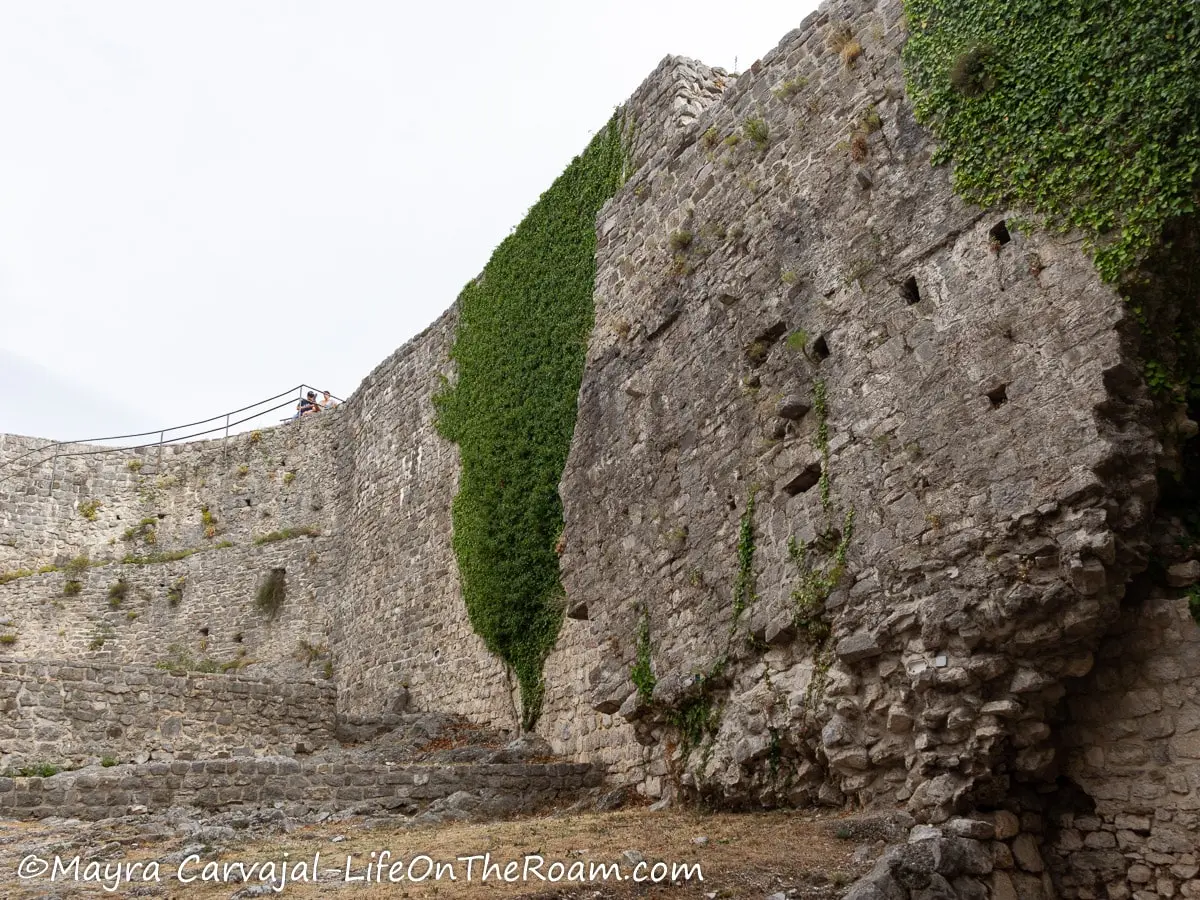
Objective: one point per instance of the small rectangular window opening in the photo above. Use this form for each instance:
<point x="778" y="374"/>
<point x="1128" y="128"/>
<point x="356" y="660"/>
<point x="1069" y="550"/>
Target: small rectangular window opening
<point x="909" y="291"/>
<point x="821" y="348"/>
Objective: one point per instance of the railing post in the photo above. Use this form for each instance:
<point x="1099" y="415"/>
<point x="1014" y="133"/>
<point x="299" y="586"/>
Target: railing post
<point x="160" y="446"/>
<point x="53" y="470"/>
<point x="225" y="441"/>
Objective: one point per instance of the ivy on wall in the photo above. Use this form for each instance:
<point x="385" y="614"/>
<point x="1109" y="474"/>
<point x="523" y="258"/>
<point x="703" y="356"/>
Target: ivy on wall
<point x="519" y="352"/>
<point x="1087" y="111"/>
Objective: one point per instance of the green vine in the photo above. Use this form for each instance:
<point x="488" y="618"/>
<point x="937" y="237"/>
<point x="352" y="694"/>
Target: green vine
<point x="1084" y="110"/>
<point x="699" y="717"/>
<point x="817" y="582"/>
<point x="774" y="753"/>
<point x="519" y="352"/>
<point x="696" y="719"/>
<point x="821" y="440"/>
<point x="816" y="685"/>
<point x="643" y="671"/>
<point x="743" y="585"/>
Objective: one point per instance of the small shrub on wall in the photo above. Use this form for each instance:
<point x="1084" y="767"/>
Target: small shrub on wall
<point x="272" y="592"/>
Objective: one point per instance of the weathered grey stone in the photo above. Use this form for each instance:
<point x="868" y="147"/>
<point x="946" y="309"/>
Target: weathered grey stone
<point x="970" y="828"/>
<point x="1184" y="574"/>
<point x="1006" y="824"/>
<point x="899" y="720"/>
<point x="961" y="856"/>
<point x="858" y="647"/>
<point x="938" y="888"/>
<point x="614" y="799"/>
<point x="1002" y="887"/>
<point x="792" y="407"/>
<point x="1025" y="852"/>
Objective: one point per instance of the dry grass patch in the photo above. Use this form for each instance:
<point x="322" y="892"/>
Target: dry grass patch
<point x="749" y="855"/>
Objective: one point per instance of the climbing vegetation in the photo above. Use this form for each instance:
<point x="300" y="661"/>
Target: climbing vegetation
<point x="743" y="585"/>
<point x="1086" y="111"/>
<point x="698" y="717"/>
<point x="643" y="668"/>
<point x="519" y="351"/>
<point x="821" y="565"/>
<point x="821" y="568"/>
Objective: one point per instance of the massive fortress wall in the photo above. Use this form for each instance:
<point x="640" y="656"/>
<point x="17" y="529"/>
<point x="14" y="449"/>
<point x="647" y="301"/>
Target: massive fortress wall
<point x="968" y="418"/>
<point x="791" y="306"/>
<point x="984" y="420"/>
<point x="399" y="615"/>
<point x="251" y="484"/>
<point x="378" y="587"/>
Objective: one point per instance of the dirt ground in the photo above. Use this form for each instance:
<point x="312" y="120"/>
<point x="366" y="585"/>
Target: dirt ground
<point x="796" y="855"/>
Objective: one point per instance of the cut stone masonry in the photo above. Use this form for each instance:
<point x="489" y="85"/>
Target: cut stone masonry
<point x="791" y="305"/>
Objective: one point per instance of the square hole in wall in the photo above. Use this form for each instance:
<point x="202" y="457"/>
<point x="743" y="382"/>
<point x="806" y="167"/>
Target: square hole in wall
<point x="805" y="481"/>
<point x="909" y="290"/>
<point x="820" y="348"/>
<point x="999" y="233"/>
<point x="998" y="396"/>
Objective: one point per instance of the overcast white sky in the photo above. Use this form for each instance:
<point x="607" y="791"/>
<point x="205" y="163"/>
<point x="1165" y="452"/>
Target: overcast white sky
<point x="203" y="204"/>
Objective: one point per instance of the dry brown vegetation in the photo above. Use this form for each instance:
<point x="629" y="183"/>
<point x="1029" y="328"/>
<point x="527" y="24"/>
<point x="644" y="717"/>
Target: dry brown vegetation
<point x="750" y="855"/>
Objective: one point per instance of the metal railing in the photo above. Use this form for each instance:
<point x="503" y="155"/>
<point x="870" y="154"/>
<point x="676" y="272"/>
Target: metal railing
<point x="54" y="450"/>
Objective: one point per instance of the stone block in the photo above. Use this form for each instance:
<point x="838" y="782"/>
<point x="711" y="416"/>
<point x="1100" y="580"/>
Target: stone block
<point x="1026" y="853"/>
<point x="857" y="647"/>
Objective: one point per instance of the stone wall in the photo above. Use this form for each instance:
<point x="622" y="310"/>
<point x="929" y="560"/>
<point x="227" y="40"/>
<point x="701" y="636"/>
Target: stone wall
<point x="68" y="714"/>
<point x="400" y="622"/>
<point x="378" y="589"/>
<point x="401" y="586"/>
<point x="251" y="485"/>
<point x="203" y="608"/>
<point x="806" y="348"/>
<point x="671" y="98"/>
<point x="968" y="385"/>
<point x="97" y="793"/>
<point x="1132" y="744"/>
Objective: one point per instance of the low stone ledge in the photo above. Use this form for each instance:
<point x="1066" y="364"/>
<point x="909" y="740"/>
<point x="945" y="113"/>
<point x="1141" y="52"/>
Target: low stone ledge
<point x="97" y="793"/>
<point x="63" y="712"/>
